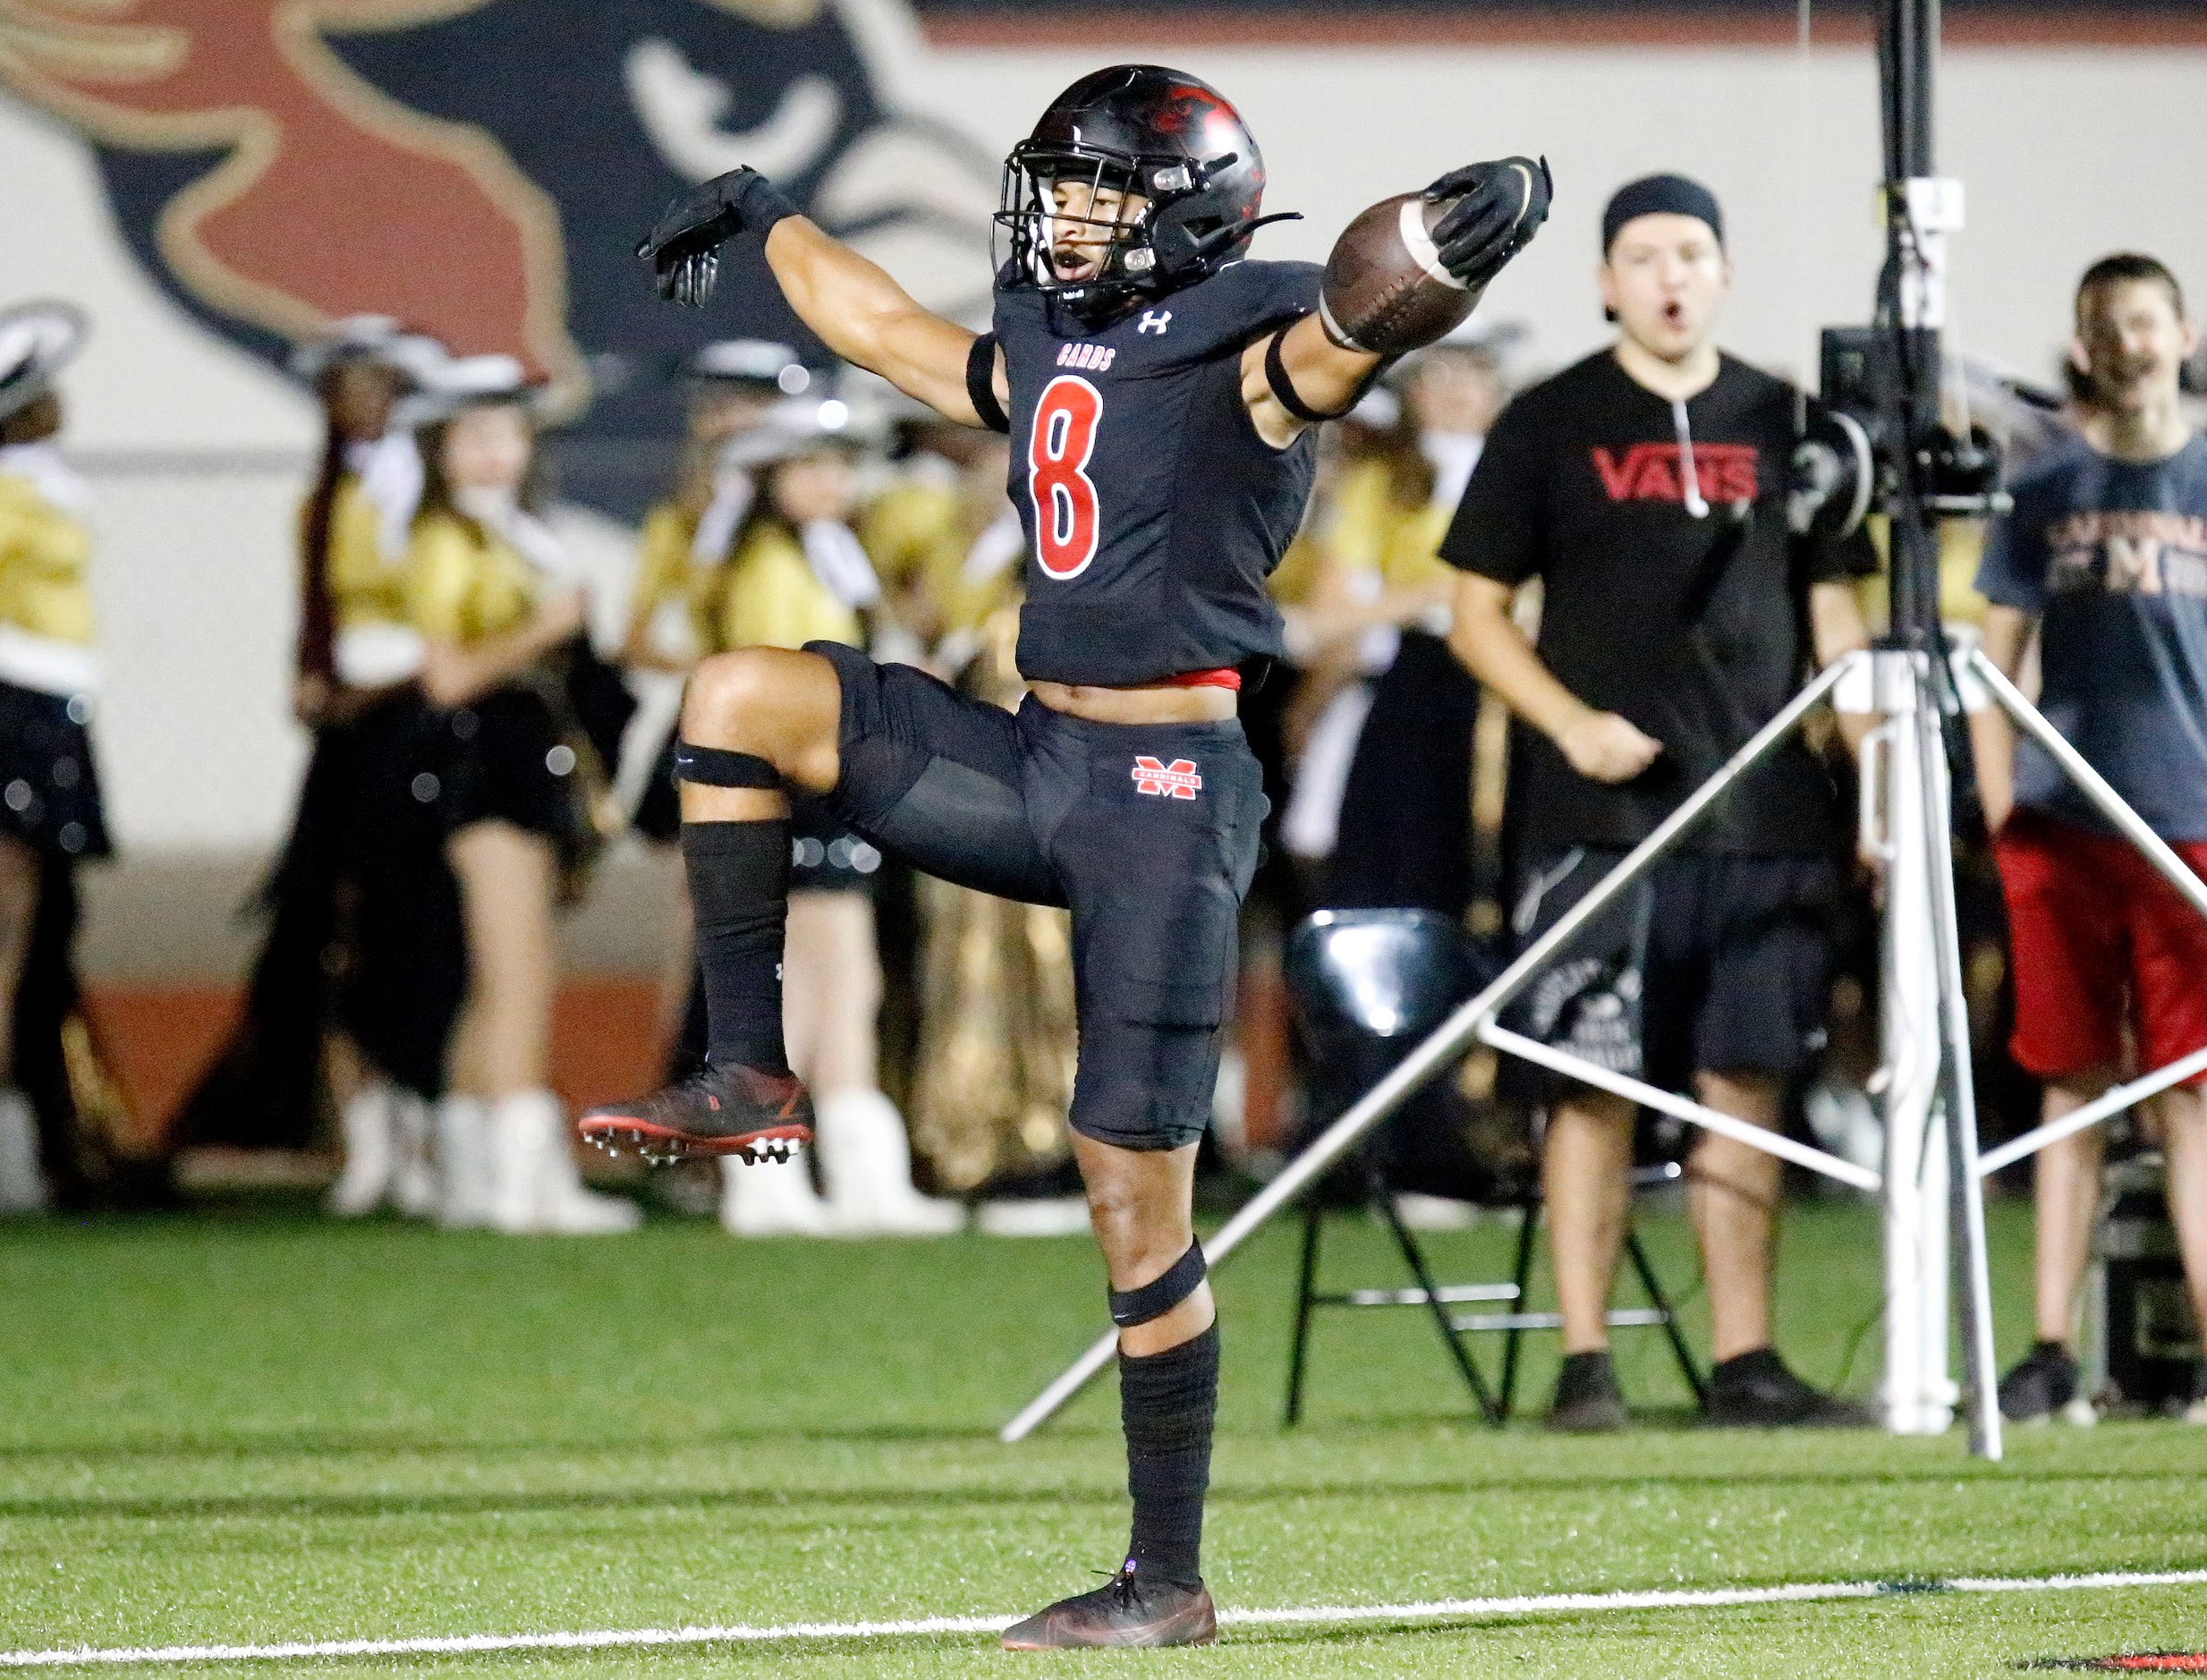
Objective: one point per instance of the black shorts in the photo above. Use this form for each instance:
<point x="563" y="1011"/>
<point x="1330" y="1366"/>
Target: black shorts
<point x="1147" y="832"/>
<point x="1710" y="962"/>
<point x="49" y="789"/>
<point x="504" y="759"/>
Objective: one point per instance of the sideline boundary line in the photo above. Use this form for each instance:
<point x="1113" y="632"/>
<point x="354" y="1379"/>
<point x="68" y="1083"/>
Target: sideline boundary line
<point x="1425" y="1610"/>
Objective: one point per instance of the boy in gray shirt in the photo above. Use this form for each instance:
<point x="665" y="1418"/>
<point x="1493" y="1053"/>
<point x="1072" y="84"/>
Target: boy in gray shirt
<point x="2105" y="555"/>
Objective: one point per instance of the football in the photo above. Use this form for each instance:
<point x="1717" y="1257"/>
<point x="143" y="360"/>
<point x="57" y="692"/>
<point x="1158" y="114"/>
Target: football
<point x="1385" y="291"/>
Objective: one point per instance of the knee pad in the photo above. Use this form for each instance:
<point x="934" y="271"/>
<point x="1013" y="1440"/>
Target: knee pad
<point x="1162" y="1294"/>
<point x="711" y="766"/>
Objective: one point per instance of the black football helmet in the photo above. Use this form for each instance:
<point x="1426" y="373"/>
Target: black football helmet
<point x="1134" y="129"/>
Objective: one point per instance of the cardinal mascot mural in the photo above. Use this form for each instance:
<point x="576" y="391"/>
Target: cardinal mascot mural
<point x="481" y="169"/>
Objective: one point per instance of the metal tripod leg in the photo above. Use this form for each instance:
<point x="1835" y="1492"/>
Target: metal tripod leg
<point x="1918" y="1395"/>
<point x="1973" y="1284"/>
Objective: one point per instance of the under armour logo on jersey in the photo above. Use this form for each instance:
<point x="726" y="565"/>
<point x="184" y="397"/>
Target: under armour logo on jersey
<point x="1177" y="780"/>
<point x="1094" y="358"/>
<point x="1155" y="321"/>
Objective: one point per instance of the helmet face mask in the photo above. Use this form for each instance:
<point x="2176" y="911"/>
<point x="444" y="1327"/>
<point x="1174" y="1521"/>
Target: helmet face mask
<point x="1076" y="226"/>
<point x="1147" y="174"/>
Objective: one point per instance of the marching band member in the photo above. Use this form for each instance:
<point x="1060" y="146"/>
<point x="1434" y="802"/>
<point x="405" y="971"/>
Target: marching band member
<point x="50" y="815"/>
<point x="733" y="386"/>
<point x="795" y="572"/>
<point x="517" y="787"/>
<point x="359" y="979"/>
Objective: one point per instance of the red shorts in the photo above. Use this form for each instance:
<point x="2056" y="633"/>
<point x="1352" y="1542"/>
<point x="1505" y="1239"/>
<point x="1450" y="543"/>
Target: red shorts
<point x="2100" y="938"/>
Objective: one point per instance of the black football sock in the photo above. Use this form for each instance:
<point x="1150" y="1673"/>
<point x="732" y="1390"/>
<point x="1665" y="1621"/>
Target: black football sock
<point x="1167" y="1404"/>
<point x="739" y="891"/>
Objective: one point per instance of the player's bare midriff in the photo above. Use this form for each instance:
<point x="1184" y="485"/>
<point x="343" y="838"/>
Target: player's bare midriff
<point x="1157" y="703"/>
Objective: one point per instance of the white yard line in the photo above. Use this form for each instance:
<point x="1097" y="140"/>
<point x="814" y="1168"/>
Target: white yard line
<point x="1424" y="1611"/>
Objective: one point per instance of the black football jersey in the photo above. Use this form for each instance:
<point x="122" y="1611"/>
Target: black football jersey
<point x="1154" y="512"/>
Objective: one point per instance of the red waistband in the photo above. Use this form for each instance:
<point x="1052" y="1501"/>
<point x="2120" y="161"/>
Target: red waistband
<point x="1224" y="676"/>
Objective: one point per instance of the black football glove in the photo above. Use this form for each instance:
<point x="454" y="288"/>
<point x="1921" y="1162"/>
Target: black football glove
<point x="684" y="248"/>
<point x="1498" y="208"/>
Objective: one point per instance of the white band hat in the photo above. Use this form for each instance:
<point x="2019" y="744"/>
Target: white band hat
<point x="37" y="340"/>
<point x="757" y="361"/>
<point x="464" y="382"/>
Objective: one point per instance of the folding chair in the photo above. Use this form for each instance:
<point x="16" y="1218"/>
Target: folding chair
<point x="1367" y="986"/>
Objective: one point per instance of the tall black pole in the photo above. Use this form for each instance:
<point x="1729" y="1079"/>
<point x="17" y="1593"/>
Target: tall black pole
<point x="1911" y="312"/>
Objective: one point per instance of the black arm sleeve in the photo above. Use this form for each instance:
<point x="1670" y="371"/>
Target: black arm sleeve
<point x="1498" y="531"/>
<point x="981" y="384"/>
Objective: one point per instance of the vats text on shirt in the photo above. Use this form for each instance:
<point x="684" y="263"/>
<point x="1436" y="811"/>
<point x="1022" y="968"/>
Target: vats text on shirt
<point x="2127" y="552"/>
<point x="1654" y="472"/>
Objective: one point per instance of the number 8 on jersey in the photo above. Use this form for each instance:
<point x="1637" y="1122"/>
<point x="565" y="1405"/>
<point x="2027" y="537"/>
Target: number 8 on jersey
<point x="1066" y="519"/>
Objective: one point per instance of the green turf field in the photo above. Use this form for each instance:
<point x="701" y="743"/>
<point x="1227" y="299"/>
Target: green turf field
<point x="257" y="1427"/>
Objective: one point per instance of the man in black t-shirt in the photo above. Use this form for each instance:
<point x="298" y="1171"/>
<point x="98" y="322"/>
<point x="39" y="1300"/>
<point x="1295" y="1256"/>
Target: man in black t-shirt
<point x="1644" y="488"/>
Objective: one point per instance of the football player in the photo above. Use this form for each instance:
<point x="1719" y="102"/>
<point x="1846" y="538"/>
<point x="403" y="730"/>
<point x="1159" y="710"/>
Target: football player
<point x="1158" y="390"/>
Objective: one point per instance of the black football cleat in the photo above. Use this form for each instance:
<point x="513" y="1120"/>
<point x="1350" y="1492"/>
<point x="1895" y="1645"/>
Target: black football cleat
<point x="1124" y="1613"/>
<point x="733" y="1110"/>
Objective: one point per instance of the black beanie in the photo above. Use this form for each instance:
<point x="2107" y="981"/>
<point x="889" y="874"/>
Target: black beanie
<point x="1659" y="195"/>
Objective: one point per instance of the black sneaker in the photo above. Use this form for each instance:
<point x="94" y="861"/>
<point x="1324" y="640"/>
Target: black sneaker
<point x="1125" y="1612"/>
<point x="1756" y="1391"/>
<point x="2041" y="1387"/>
<point x="732" y="1110"/>
<point x="1588" y="1401"/>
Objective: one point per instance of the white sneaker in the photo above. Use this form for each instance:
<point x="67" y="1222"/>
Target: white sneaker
<point x="564" y="1207"/>
<point x="463" y="1168"/>
<point x="366" y="1123"/>
<point x="866" y="1159"/>
<point x="22" y="1186"/>
<point x="413" y="1171"/>
<point x="772" y="1198"/>
<point x="515" y="1165"/>
<point x="534" y="1184"/>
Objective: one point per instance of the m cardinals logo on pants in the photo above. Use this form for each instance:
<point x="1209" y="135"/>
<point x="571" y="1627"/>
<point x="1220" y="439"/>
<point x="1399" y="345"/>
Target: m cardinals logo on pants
<point x="1177" y="780"/>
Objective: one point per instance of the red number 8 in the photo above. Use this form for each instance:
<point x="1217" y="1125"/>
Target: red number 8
<point x="1066" y="516"/>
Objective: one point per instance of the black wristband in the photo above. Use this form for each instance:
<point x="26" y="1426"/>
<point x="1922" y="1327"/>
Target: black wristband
<point x="761" y="204"/>
<point x="981" y="384"/>
<point x="1284" y="387"/>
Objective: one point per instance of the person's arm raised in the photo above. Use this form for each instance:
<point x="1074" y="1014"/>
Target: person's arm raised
<point x="854" y="306"/>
